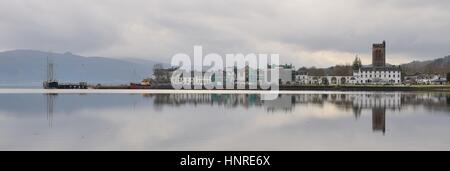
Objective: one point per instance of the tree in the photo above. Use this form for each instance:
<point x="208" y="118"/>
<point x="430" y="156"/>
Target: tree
<point x="342" y="70"/>
<point x="448" y="77"/>
<point x="357" y="64"/>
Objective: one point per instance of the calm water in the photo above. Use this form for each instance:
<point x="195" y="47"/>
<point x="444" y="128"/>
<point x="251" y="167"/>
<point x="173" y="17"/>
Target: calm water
<point x="309" y="121"/>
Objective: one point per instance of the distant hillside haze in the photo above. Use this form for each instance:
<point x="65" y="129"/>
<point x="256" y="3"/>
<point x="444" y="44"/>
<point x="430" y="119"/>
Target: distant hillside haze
<point x="29" y="67"/>
<point x="438" y="66"/>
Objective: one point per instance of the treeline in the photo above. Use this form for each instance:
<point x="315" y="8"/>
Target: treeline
<point x="438" y="66"/>
<point x="338" y="70"/>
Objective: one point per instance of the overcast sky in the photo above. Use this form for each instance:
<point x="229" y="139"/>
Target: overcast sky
<point x="303" y="32"/>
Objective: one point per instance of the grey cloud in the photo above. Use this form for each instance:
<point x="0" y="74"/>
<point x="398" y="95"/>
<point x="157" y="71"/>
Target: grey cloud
<point x="61" y="26"/>
<point x="414" y="28"/>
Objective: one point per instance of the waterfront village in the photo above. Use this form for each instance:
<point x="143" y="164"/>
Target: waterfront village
<point x="377" y="73"/>
<point x="378" y="76"/>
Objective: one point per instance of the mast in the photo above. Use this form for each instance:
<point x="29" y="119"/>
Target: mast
<point x="50" y="72"/>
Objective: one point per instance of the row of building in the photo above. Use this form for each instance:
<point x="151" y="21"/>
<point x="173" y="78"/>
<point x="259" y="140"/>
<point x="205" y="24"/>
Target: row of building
<point x="247" y="76"/>
<point x="426" y="79"/>
<point x="379" y="72"/>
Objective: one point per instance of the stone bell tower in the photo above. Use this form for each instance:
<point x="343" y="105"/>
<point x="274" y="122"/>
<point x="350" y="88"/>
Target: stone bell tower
<point x="379" y="55"/>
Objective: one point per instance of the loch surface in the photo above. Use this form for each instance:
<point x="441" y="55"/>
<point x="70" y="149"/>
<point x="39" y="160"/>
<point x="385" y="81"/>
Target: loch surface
<point x="298" y="121"/>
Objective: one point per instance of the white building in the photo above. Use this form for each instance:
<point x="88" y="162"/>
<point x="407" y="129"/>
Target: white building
<point x="192" y="79"/>
<point x="388" y="74"/>
<point x="425" y="79"/>
<point x="302" y="78"/>
<point x="305" y="79"/>
<point x="438" y="80"/>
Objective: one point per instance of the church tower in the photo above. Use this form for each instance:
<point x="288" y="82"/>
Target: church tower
<point x="379" y="54"/>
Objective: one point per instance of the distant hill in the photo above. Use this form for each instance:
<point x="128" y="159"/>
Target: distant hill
<point x="29" y="68"/>
<point x="437" y="66"/>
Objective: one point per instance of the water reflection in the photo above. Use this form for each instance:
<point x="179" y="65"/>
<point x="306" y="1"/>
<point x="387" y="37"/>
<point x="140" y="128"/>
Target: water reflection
<point x="379" y="119"/>
<point x="286" y="102"/>
<point x="224" y="121"/>
<point x="50" y="103"/>
<point x="378" y="103"/>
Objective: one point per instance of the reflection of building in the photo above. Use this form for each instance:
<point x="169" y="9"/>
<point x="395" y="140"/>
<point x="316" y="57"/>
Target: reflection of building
<point x="367" y="101"/>
<point x="379" y="120"/>
<point x="356" y="103"/>
<point x="391" y="101"/>
<point x="359" y="103"/>
<point x="245" y="100"/>
<point x="283" y="103"/>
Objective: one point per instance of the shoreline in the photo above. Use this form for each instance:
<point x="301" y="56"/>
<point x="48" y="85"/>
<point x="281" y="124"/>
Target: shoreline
<point x="348" y="88"/>
<point x="283" y="90"/>
<point x="438" y="88"/>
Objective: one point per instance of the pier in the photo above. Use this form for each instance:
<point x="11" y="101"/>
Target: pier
<point x="52" y="83"/>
